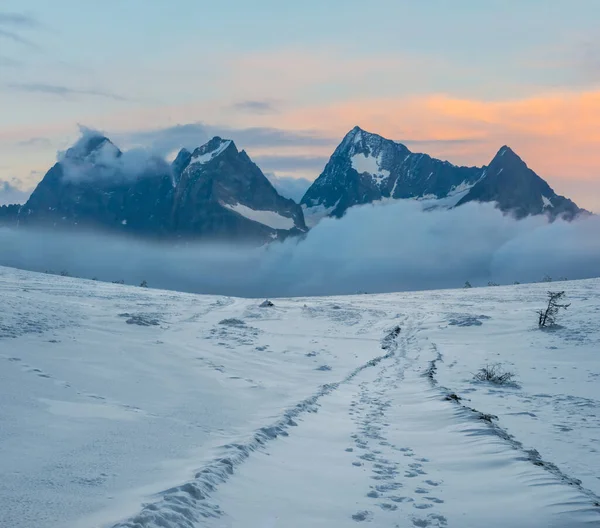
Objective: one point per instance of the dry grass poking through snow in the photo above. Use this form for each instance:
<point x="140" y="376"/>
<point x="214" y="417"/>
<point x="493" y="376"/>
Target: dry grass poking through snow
<point x="495" y="374"/>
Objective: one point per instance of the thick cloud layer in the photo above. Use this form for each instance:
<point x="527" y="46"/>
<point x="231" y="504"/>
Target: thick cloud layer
<point x="107" y="161"/>
<point x="374" y="248"/>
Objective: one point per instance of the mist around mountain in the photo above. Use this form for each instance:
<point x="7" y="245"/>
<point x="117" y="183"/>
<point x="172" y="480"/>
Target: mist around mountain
<point x="215" y="192"/>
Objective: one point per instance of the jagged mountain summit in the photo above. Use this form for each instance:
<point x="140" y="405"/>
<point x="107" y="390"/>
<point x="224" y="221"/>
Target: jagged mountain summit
<point x="516" y="188"/>
<point x="366" y="168"/>
<point x="215" y="192"/>
<point x="221" y="191"/>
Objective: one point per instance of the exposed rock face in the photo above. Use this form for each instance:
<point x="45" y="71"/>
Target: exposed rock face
<point x="366" y="167"/>
<point x="216" y="192"/>
<point x="222" y="193"/>
<point x="516" y="188"/>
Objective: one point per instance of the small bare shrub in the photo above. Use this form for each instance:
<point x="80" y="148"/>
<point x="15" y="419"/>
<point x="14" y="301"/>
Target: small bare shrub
<point x="494" y="374"/>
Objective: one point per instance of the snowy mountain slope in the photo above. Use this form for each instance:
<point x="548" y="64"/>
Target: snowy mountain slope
<point x="367" y="168"/>
<point x="216" y="411"/>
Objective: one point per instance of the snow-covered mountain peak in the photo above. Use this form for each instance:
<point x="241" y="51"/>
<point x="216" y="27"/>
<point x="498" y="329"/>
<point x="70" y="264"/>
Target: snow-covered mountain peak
<point x="367" y="167"/>
<point x="209" y="151"/>
<point x="353" y="136"/>
<point x="221" y="189"/>
<point x="361" y="141"/>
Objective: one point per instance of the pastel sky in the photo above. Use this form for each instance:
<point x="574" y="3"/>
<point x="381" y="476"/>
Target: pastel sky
<point x="456" y="79"/>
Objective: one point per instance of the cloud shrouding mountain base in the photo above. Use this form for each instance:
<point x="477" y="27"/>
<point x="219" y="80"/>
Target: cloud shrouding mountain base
<point x="374" y="248"/>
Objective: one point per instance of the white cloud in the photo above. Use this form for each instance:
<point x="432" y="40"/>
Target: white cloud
<point x="373" y="248"/>
<point x="92" y="156"/>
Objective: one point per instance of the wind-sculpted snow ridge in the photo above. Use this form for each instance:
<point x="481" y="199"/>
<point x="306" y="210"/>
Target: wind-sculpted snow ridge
<point x="186" y="505"/>
<point x="491" y="421"/>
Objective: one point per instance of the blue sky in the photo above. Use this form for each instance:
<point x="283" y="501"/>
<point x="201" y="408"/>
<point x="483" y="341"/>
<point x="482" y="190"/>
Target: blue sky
<point x="457" y="79"/>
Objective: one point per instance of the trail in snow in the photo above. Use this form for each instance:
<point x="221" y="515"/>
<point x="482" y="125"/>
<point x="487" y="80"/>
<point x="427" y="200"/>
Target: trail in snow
<point x="293" y="415"/>
<point x="532" y="455"/>
<point x="396" y="452"/>
<point x="186" y="505"/>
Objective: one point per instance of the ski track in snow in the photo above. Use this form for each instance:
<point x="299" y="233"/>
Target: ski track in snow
<point x="346" y="416"/>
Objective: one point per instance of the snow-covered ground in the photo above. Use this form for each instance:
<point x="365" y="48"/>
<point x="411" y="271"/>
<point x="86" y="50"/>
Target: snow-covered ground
<point x="129" y="407"/>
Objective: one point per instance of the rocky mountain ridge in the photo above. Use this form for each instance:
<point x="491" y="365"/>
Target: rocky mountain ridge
<point x="366" y="168"/>
<point x="215" y="192"/>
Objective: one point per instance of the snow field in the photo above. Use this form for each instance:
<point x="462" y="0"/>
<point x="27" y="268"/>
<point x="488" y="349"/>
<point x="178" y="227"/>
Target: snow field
<point x="130" y="407"/>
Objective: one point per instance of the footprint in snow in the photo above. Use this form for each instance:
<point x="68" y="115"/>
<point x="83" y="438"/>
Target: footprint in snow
<point x="362" y="516"/>
<point x="422" y="506"/>
<point x="401" y="499"/>
<point x="432" y="520"/>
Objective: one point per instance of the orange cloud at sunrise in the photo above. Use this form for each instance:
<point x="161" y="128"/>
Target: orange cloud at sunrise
<point x="556" y="134"/>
